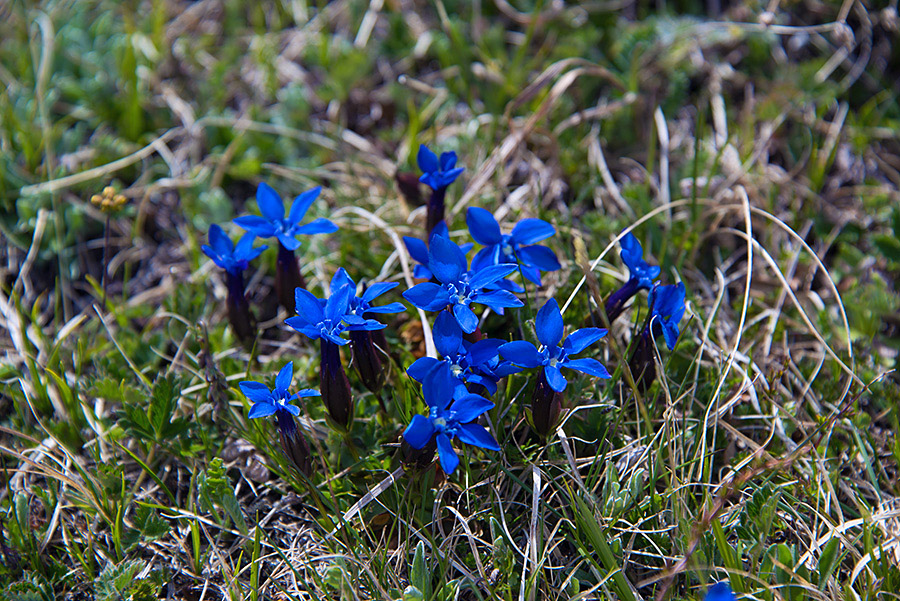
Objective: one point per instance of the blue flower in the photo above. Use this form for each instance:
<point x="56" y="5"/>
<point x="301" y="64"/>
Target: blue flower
<point x="459" y="287"/>
<point x="418" y="250"/>
<point x="273" y="221"/>
<point x="516" y="247"/>
<point x="549" y="329"/>
<point x="359" y="306"/>
<point x="470" y="363"/>
<point x="720" y="591"/>
<point x="315" y="321"/>
<point x="667" y="309"/>
<point x="633" y="256"/>
<point x="268" y="402"/>
<point x="446" y="421"/>
<point x="437" y="174"/>
<point x="230" y="257"/>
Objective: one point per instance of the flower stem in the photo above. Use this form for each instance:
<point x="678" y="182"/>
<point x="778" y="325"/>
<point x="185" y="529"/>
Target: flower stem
<point x="546" y="404"/>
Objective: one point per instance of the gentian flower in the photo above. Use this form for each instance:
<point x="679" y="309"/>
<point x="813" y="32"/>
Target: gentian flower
<point x="418" y="250"/>
<point x="274" y="223"/>
<point x="551" y="356"/>
<point x="475" y="364"/>
<point x="448" y="419"/>
<point x="459" y="287"/>
<point x="516" y="247"/>
<point x="362" y="327"/>
<point x="438" y="175"/>
<point x="641" y="276"/>
<point x="234" y="259"/>
<point x="720" y="591"/>
<point x="326" y="324"/>
<point x="666" y="311"/>
<point x="667" y="304"/>
<point x="278" y="402"/>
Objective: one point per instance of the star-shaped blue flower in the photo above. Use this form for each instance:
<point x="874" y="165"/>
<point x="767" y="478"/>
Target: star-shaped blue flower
<point x="720" y="591"/>
<point x="274" y="223"/>
<point x="516" y="247"/>
<point x="230" y="257"/>
<point x="633" y="256"/>
<point x="470" y="363"/>
<point x="268" y="402"/>
<point x="667" y="309"/>
<point x="459" y="287"/>
<point x="317" y="321"/>
<point x="437" y="174"/>
<point x="549" y="329"/>
<point x="359" y="306"/>
<point x="446" y="421"/>
<point x="418" y="250"/>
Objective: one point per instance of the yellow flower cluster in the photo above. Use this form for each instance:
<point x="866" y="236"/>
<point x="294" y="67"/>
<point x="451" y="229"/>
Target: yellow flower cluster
<point x="108" y="200"/>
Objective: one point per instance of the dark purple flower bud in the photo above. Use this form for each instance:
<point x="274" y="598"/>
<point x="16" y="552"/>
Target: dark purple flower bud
<point x="335" y="386"/>
<point x="294" y="444"/>
<point x="546" y="404"/>
<point x="408" y="183"/>
<point x="287" y="277"/>
<point x="642" y="362"/>
<point x="435" y="213"/>
<point x="242" y="321"/>
<point x="367" y="360"/>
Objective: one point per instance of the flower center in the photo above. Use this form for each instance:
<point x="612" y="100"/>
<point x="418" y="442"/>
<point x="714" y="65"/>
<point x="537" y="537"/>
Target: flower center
<point x="456" y="370"/>
<point x="553" y="362"/>
<point x="440" y="423"/>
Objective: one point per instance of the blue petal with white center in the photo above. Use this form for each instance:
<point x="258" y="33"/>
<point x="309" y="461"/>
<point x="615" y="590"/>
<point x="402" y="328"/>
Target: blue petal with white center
<point x="437" y="173"/>
<point x="552" y="357"/>
<point x="274" y="224"/>
<point x="448" y="419"/>
<point x="268" y="402"/>
<point x="516" y="247"/>
<point x="633" y="256"/>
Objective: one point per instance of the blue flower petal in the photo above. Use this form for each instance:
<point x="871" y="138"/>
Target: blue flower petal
<point x="529" y="231"/>
<point x="307" y="392"/>
<point x="419" y="431"/>
<point x="447" y="334"/>
<point x="539" y="256"/>
<point x="256" y="225"/>
<point x="549" y="324"/>
<point x="283" y="379"/>
<point x="256" y="392"/>
<point x="449" y="460"/>
<point x="555" y="378"/>
<point x="427" y="160"/>
<point x="316" y="226"/>
<point x="579" y="340"/>
<point x="289" y="242"/>
<point x="417" y="249"/>
<point x="591" y="367"/>
<point x="308" y="306"/>
<point x="338" y="302"/>
<point x="270" y="204"/>
<point x="388" y="308"/>
<point x="302" y="203"/>
<point x="477" y="436"/>
<point x="498" y="299"/>
<point x="428" y="296"/>
<point x="437" y="388"/>
<point x="484" y="350"/>
<point x="421" y="367"/>
<point x="376" y="290"/>
<point x="448" y="160"/>
<point x="470" y="407"/>
<point x="220" y="242"/>
<point x="445" y="259"/>
<point x="720" y="591"/>
<point x="489" y="275"/>
<point x="483" y="227"/>
<point x="521" y="352"/>
<point x="466" y="319"/>
<point x="262" y="409"/>
<point x="292" y="409"/>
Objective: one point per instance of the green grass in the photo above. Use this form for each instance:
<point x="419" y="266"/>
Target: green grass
<point x="766" y="454"/>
